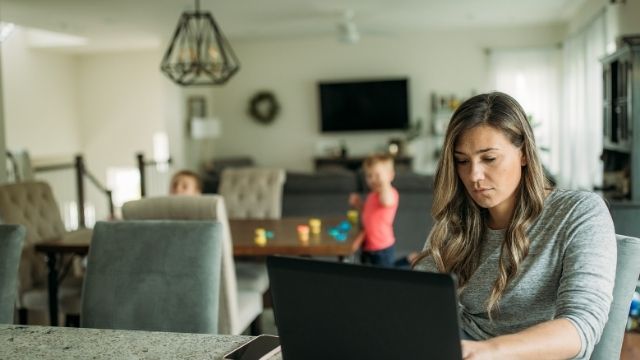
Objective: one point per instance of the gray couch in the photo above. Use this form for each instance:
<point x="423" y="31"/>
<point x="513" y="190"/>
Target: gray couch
<point x="318" y="194"/>
<point x="413" y="220"/>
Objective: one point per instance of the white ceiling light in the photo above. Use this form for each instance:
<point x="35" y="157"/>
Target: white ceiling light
<point x="347" y="30"/>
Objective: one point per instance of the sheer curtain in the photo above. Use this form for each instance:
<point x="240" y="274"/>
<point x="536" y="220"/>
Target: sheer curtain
<point x="532" y="76"/>
<point x="580" y="143"/>
<point x="561" y="91"/>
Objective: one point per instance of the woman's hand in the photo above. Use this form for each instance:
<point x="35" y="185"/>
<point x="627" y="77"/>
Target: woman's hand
<point x="478" y="350"/>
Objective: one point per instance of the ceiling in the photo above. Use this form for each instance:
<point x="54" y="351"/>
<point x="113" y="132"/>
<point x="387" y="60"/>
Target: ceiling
<point x="118" y="24"/>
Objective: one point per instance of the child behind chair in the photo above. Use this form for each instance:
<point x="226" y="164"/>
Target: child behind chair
<point x="185" y="182"/>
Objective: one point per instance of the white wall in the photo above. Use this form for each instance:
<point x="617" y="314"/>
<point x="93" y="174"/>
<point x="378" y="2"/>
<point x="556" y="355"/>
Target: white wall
<point x="585" y="14"/>
<point x="106" y="106"/>
<point x="121" y="103"/>
<point x="622" y="18"/>
<point x="447" y="62"/>
<point x="40" y="102"/>
<point x="40" y="108"/>
<point x="625" y="18"/>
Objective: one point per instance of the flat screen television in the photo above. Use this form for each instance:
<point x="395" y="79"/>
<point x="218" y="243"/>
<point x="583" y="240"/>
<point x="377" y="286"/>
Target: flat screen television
<point x="364" y="105"/>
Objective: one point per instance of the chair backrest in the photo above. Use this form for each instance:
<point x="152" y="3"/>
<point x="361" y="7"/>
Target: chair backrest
<point x="32" y="205"/>
<point x="11" y="238"/>
<point x="627" y="271"/>
<point x="252" y="193"/>
<point x="154" y="276"/>
<point x="205" y="207"/>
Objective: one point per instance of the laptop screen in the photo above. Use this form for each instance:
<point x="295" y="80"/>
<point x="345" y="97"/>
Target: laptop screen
<point x="326" y="310"/>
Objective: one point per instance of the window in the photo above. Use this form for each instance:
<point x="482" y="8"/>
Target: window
<point x="532" y="77"/>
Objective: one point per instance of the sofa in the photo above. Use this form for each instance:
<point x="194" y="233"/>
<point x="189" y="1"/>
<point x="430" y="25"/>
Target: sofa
<point x="326" y="193"/>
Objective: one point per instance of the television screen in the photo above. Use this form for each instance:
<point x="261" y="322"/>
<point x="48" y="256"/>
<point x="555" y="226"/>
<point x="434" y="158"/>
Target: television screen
<point x="364" y="105"/>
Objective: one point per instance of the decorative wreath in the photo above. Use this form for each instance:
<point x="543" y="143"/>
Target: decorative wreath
<point x="263" y="107"/>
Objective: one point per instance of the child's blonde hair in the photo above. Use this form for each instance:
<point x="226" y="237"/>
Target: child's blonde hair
<point x="186" y="173"/>
<point x="378" y="158"/>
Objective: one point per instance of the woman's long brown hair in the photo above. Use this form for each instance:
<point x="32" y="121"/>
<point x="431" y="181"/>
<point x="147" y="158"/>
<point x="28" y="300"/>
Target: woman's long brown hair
<point x="459" y="229"/>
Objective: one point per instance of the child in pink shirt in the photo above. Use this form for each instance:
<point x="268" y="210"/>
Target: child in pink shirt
<point x="378" y="212"/>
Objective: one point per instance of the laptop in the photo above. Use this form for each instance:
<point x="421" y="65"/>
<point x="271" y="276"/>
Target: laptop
<point x="325" y="310"/>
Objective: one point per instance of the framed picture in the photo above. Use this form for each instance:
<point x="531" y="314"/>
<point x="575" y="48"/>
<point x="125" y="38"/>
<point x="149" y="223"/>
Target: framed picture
<point x="196" y="107"/>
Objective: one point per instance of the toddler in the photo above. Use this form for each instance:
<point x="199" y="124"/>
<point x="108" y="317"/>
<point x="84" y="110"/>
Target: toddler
<point x="378" y="212"/>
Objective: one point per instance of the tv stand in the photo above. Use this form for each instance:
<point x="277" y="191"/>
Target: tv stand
<point x="355" y="163"/>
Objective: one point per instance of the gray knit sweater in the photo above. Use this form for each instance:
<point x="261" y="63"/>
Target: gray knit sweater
<point x="569" y="273"/>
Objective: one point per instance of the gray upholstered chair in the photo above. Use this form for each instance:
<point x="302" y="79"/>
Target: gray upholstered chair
<point x="240" y="296"/>
<point x="154" y="276"/>
<point x="11" y="239"/>
<point x="627" y="271"/>
<point x="33" y="205"/>
<point x="252" y="193"/>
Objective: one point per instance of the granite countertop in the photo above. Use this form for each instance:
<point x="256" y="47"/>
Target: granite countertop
<point x="44" y="342"/>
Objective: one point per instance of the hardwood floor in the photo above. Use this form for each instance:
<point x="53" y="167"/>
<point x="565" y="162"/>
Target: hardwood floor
<point x="630" y="347"/>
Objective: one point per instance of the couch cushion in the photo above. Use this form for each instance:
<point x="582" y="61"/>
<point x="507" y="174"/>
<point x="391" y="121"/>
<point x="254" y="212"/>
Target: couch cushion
<point x="404" y="181"/>
<point x="409" y="181"/>
<point x="318" y="194"/>
<point x="325" y="182"/>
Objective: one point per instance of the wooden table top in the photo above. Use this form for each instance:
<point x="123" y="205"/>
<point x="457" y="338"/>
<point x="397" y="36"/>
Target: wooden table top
<point x="74" y="242"/>
<point x="285" y="240"/>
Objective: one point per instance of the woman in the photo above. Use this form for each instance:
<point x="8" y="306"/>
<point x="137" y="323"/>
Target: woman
<point x="535" y="265"/>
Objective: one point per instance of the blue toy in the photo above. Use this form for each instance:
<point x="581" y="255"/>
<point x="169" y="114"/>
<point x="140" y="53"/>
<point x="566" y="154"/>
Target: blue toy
<point x="340" y="232"/>
<point x="345" y="226"/>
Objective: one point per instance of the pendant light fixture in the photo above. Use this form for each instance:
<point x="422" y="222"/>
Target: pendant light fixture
<point x="199" y="53"/>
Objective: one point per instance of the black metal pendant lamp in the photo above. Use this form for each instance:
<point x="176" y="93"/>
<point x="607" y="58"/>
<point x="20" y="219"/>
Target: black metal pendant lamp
<point x="199" y="53"/>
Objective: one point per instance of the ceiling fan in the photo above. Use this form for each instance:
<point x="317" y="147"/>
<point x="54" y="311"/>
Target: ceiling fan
<point x="347" y="29"/>
<point x="320" y="19"/>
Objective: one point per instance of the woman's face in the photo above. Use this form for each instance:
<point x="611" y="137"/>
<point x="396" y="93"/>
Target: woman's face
<point x="490" y="168"/>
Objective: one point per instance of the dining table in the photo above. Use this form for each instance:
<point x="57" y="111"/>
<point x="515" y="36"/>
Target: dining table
<point x="336" y="238"/>
<point x="285" y="238"/>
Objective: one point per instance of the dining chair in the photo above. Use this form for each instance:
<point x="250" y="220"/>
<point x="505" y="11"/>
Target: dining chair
<point x="627" y="271"/>
<point x="33" y="205"/>
<point x="154" y="276"/>
<point x="252" y="192"/>
<point x="240" y="295"/>
<point x="11" y="239"/>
